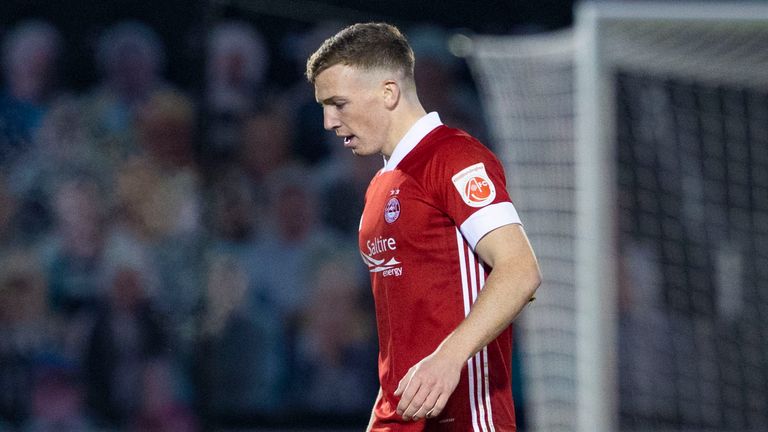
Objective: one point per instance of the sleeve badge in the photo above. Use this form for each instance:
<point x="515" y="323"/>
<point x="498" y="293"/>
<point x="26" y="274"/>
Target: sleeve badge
<point x="475" y="186"/>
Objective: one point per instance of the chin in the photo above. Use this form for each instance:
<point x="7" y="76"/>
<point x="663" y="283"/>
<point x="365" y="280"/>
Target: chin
<point x="361" y="152"/>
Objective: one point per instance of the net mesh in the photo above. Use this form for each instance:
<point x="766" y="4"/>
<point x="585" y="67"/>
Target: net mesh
<point x="691" y="146"/>
<point x="692" y="168"/>
<point x="693" y="212"/>
<point x="526" y="86"/>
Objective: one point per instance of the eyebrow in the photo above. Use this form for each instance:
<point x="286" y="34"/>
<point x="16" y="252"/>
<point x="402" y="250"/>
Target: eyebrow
<point x="330" y="100"/>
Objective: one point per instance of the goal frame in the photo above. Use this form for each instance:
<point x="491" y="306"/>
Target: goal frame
<point x="596" y="190"/>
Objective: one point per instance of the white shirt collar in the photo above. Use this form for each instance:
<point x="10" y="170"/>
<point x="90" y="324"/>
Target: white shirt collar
<point x="415" y="134"/>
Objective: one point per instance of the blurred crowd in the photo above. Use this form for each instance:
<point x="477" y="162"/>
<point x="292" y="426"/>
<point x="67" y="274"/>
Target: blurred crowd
<point x="181" y="259"/>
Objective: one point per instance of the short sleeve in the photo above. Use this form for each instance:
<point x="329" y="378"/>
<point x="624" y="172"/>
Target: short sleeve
<point x="468" y="183"/>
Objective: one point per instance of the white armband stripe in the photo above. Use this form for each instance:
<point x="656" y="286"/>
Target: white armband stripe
<point x="488" y="219"/>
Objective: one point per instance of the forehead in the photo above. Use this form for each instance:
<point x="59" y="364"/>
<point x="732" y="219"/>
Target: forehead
<point x="342" y="81"/>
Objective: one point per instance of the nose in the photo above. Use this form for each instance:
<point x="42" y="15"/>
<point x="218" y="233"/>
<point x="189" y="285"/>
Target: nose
<point x="330" y="121"/>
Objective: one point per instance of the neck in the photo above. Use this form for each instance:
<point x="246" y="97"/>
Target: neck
<point x="401" y="124"/>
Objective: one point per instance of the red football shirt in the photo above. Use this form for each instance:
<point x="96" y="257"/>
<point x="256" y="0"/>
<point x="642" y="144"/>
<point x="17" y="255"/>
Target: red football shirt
<point x="437" y="196"/>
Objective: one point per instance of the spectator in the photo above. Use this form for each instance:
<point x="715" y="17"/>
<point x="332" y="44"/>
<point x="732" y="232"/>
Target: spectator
<point x="27" y="331"/>
<point x="241" y="360"/>
<point x="158" y="212"/>
<point x="61" y="150"/>
<point x="165" y="125"/>
<point x="127" y="336"/>
<point x="291" y="235"/>
<point x="238" y="60"/>
<point x="156" y="225"/>
<point x="312" y="144"/>
<point x="266" y="144"/>
<point x="62" y="146"/>
<point x="132" y="229"/>
<point x="233" y="214"/>
<point x="130" y="57"/>
<point x="30" y="67"/>
<point x="336" y="341"/>
<point x="78" y="246"/>
<point x="172" y="206"/>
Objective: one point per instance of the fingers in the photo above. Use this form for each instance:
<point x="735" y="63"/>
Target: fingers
<point x="425" y="409"/>
<point x="408" y="408"/>
<point x="407" y="389"/>
<point x="437" y="409"/>
<point x="403" y="383"/>
<point x="425" y="388"/>
<point x="420" y="400"/>
<point x="425" y="404"/>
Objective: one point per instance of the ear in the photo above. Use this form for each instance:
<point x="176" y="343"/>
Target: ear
<point x="391" y="93"/>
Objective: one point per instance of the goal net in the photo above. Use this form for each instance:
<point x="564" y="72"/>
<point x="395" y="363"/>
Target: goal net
<point x="526" y="86"/>
<point x="639" y="159"/>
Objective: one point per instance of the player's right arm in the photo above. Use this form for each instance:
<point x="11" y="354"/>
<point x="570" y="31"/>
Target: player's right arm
<point x="373" y="412"/>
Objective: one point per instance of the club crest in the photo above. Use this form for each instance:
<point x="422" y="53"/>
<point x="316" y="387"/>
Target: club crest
<point x="392" y="210"/>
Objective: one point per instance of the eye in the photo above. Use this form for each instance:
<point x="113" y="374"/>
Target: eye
<point x="339" y="105"/>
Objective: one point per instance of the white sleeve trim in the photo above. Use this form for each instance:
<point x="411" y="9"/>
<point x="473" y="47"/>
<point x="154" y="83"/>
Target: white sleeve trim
<point x="488" y="219"/>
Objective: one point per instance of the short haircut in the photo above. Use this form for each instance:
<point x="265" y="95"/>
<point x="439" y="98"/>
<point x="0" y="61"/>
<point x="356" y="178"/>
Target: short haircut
<point x="367" y="46"/>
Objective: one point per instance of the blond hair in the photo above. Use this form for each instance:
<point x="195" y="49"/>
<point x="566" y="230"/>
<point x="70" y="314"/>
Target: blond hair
<point x="366" y="46"/>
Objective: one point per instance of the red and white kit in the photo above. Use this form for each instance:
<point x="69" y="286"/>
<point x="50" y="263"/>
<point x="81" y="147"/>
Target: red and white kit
<point x="437" y="196"/>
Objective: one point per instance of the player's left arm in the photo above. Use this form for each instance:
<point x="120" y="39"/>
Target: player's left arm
<point x="511" y="284"/>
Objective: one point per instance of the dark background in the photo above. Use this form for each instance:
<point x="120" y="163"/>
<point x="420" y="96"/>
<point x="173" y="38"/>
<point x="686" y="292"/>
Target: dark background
<point x="182" y="24"/>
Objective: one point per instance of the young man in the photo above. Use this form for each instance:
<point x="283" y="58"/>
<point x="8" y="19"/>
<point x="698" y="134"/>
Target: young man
<point x="450" y="264"/>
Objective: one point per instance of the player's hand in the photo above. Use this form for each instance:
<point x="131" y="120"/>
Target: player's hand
<point x="426" y="387"/>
